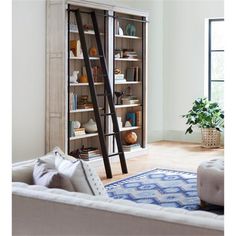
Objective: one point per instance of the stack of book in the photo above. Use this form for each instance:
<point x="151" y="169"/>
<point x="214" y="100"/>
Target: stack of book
<point x="74" y="130"/>
<point x="129" y="100"/>
<point x="119" y="78"/>
<point x="128" y="148"/>
<point x="84" y="103"/>
<point x="79" y="131"/>
<point x="89" y="153"/>
<point x="130" y="54"/>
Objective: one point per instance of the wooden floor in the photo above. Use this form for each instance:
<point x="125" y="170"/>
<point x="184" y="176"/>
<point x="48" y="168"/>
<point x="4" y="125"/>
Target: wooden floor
<point x="164" y="154"/>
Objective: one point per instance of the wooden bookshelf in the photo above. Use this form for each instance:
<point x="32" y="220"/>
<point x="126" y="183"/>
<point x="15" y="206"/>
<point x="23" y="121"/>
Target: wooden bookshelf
<point x="61" y="67"/>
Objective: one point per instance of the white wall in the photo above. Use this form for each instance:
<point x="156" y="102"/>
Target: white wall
<point x="176" y="68"/>
<point x="28" y="79"/>
<point x="183" y="60"/>
<point x="29" y="74"/>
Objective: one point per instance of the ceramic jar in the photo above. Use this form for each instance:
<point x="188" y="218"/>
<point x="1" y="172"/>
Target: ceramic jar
<point x="90" y="126"/>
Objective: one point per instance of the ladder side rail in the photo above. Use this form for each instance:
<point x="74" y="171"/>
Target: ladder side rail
<point x="93" y="94"/>
<point x="108" y="89"/>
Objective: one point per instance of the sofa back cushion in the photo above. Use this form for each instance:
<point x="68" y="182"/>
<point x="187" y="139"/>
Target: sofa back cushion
<point x="23" y="173"/>
<point x="83" y="177"/>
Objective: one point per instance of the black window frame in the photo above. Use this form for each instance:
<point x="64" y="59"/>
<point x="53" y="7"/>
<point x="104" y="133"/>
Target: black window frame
<point x="210" y="50"/>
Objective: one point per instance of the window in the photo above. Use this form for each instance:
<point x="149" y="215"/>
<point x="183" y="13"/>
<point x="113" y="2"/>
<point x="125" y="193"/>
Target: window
<point x="216" y="61"/>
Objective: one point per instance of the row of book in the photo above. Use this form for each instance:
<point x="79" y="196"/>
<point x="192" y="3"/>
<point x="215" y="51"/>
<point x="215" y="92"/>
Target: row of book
<point x="135" y="118"/>
<point x="73" y="101"/>
<point x="132" y="73"/>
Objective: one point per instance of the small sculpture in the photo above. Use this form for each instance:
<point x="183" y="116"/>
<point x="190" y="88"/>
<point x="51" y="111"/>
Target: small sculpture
<point x="118" y="95"/>
<point x="90" y="126"/>
<point x="77" y="124"/>
<point x="92" y="52"/>
<point x="128" y="124"/>
<point x="83" y="79"/>
<point x="74" y="76"/>
<point x="130" y="138"/>
<point x="120" y="31"/>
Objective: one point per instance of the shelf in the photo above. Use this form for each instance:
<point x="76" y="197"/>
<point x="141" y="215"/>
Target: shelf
<point x="129" y="82"/>
<point x="127" y="59"/>
<point x="129" y="128"/>
<point x="85" y="32"/>
<point x="83" y="136"/>
<point x="83" y="110"/>
<point x="84" y="84"/>
<point x="127" y="36"/>
<point x="81" y="58"/>
<point x="130" y="105"/>
<point x="134" y="150"/>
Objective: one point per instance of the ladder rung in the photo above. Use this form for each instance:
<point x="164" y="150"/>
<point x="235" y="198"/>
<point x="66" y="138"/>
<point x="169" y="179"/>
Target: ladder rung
<point x="111" y="134"/>
<point x="107" y="114"/>
<point x="114" y="154"/>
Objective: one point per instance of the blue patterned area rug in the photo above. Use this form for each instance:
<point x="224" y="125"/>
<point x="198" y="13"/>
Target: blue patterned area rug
<point x="162" y="187"/>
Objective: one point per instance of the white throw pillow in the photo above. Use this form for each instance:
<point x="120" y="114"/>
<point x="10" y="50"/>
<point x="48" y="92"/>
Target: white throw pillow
<point x="83" y="178"/>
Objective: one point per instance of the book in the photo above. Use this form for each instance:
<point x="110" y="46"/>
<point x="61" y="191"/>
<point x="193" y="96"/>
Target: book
<point x="89" y="152"/>
<point x="85" y="106"/>
<point x="136" y="76"/>
<point x="119" y="76"/>
<point x="138" y="118"/>
<point x="129" y="53"/>
<point x="131" y="117"/>
<point x="130" y="73"/>
<point x="128" y="148"/>
<point x="79" y="131"/>
<point x="73" y="101"/>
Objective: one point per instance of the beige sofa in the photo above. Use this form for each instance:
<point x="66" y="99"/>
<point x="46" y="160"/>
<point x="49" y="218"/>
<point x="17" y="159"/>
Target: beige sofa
<point x="37" y="210"/>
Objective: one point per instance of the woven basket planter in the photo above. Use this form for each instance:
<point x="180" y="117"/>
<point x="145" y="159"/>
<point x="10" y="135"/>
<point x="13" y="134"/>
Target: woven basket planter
<point x="210" y="138"/>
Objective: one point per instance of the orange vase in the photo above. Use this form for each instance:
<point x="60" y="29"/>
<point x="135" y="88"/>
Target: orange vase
<point x="83" y="79"/>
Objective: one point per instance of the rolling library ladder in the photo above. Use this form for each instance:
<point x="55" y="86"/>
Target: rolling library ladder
<point x="107" y="93"/>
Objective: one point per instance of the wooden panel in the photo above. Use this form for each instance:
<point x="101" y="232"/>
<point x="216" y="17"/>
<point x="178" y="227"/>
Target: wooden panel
<point x="55" y="27"/>
<point x="56" y="133"/>
<point x="55" y="78"/>
<point x="56" y="85"/>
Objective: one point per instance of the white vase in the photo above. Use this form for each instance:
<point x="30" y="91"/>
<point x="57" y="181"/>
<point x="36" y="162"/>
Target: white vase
<point x="90" y="126"/>
<point x="77" y="124"/>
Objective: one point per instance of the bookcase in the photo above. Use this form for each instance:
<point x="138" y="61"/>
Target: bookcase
<point x="69" y="112"/>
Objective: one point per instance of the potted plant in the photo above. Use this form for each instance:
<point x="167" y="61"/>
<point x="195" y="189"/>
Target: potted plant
<point x="209" y="117"/>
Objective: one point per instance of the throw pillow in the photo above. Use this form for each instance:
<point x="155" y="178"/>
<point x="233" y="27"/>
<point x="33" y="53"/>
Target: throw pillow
<point x="44" y="174"/>
<point x="81" y="174"/>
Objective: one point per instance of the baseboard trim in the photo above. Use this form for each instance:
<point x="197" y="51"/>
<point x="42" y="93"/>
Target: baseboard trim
<point x="176" y="135"/>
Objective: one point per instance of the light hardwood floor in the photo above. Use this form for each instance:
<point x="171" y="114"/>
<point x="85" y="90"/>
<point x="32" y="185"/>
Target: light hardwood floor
<point x="165" y="154"/>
